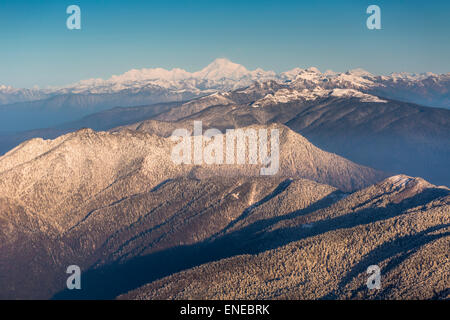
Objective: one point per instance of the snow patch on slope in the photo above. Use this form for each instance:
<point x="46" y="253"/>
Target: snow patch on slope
<point x="289" y="95"/>
<point x="350" y="93"/>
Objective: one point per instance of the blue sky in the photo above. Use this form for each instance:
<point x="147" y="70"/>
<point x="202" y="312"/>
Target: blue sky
<point x="38" y="49"/>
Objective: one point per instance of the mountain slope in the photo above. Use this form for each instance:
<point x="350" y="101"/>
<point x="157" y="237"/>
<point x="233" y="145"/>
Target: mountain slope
<point x="385" y="134"/>
<point x="401" y="225"/>
<point x="115" y="204"/>
<point x="98" y="198"/>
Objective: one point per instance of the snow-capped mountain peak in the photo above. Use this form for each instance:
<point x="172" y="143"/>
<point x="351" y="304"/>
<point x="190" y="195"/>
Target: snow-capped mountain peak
<point x="406" y="76"/>
<point x="313" y="70"/>
<point x="221" y="74"/>
<point x="222" y="68"/>
<point x="360" y="73"/>
<point x="152" y="74"/>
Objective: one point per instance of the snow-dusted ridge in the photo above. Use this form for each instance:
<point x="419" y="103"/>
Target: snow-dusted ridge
<point x="286" y="95"/>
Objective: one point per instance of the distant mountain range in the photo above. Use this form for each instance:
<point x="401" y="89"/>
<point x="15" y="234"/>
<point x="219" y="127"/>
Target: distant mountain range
<point x="24" y="109"/>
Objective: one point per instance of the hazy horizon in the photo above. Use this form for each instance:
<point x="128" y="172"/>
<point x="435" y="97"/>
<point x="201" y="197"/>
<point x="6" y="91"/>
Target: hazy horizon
<point x="117" y="36"/>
